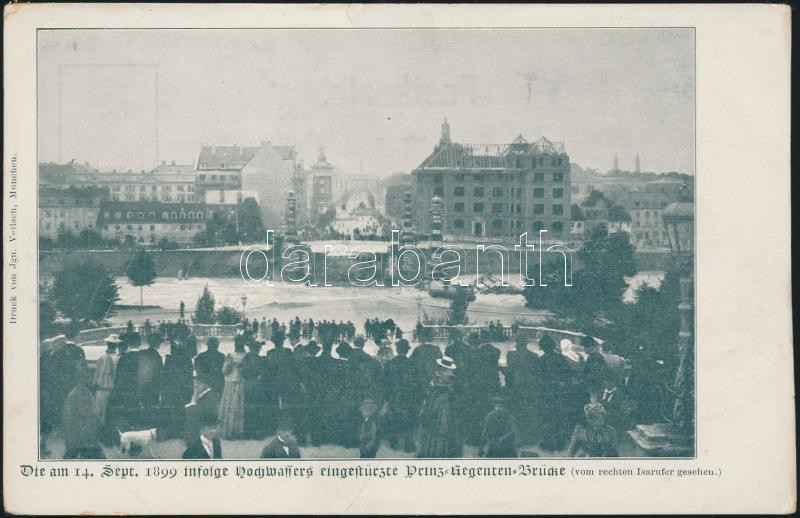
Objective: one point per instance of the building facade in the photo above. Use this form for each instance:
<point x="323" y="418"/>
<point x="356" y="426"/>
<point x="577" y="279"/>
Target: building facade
<point x="149" y="222"/>
<point x="495" y="191"/>
<point x="71" y="209"/>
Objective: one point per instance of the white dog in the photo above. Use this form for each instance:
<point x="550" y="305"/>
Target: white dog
<point x="141" y="438"/>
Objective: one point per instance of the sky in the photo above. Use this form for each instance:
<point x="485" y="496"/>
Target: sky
<point x="374" y="100"/>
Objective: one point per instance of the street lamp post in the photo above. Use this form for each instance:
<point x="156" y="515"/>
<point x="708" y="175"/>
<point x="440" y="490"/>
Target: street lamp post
<point x="676" y="436"/>
<point x="244" y="305"/>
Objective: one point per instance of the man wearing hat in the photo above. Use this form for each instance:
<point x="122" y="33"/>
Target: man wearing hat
<point x="500" y="432"/>
<point x="283" y="445"/>
<point x="105" y="370"/>
<point x="399" y="392"/>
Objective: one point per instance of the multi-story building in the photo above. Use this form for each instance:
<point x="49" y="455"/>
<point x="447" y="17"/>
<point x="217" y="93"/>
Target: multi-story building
<point x="149" y="221"/>
<point x="267" y="169"/>
<point x="396" y="187"/>
<point x="166" y="187"/>
<point x="227" y="202"/>
<point x="495" y="191"/>
<point x="72" y="209"/>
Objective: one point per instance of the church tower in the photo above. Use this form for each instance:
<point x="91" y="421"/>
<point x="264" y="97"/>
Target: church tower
<point x="638" y="164"/>
<point x="616" y="163"/>
<point x="445" y="138"/>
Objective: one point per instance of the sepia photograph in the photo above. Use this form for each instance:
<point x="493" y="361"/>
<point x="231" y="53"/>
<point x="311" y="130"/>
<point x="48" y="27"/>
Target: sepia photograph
<point x="355" y="243"/>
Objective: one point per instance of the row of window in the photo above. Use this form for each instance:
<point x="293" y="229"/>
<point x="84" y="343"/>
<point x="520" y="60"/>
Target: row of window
<point x="221" y="178"/>
<point x="62" y="226"/>
<point x="152" y="228"/>
<point x="557" y="227"/>
<point x="497" y="192"/>
<point x="488" y="177"/>
<point x="513" y="208"/>
<point x="153" y="188"/>
<point x="152" y="215"/>
<point x="190" y="198"/>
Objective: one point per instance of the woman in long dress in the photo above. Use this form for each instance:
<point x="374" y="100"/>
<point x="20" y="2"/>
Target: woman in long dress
<point x="439" y="436"/>
<point x="231" y="405"/>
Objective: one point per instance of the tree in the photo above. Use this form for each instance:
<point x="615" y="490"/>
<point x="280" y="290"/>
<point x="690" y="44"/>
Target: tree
<point x="141" y="272"/>
<point x="84" y="291"/>
<point x="204" y="310"/>
<point x="250" y="225"/>
<point x="228" y="316"/>
<point x="47" y="316"/>
<point x="459" y="302"/>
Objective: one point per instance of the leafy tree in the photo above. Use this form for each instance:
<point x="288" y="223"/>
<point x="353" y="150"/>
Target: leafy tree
<point x="66" y="240"/>
<point x="166" y="244"/>
<point x="141" y="272"/>
<point x="89" y="239"/>
<point x="219" y="231"/>
<point x="84" y="291"/>
<point x="228" y="316"/>
<point x="47" y="316"/>
<point x="250" y="225"/>
<point x="459" y="302"/>
<point x="204" y="310"/>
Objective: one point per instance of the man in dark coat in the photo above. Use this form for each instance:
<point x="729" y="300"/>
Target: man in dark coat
<point x="209" y="365"/>
<point x="176" y="388"/>
<point x="399" y="394"/>
<point x="326" y="395"/>
<point x="150" y="364"/>
<point x="520" y="386"/>
<point x="201" y="410"/>
<point x="63" y="365"/>
<point x="204" y="444"/>
<point x="280" y="382"/>
<point x="555" y="375"/>
<point x="123" y="404"/>
<point x="283" y="445"/>
<point x="500" y="432"/>
<point x="252" y="370"/>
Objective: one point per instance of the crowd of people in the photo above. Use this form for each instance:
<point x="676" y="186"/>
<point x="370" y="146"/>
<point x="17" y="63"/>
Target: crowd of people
<point x="319" y="384"/>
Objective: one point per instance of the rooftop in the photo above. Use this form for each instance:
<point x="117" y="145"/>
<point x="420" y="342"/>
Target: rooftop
<point x="489" y="156"/>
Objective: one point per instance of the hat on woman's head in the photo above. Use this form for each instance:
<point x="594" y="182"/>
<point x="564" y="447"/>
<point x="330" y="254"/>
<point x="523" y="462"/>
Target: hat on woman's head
<point x="446" y="362"/>
<point x="547" y="343"/>
<point x="595" y="414"/>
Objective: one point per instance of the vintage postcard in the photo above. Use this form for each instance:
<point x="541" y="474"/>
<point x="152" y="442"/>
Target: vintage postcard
<point x="397" y="259"/>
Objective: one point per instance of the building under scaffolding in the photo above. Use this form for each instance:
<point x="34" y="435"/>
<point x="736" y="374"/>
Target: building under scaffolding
<point x="496" y="191"/>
